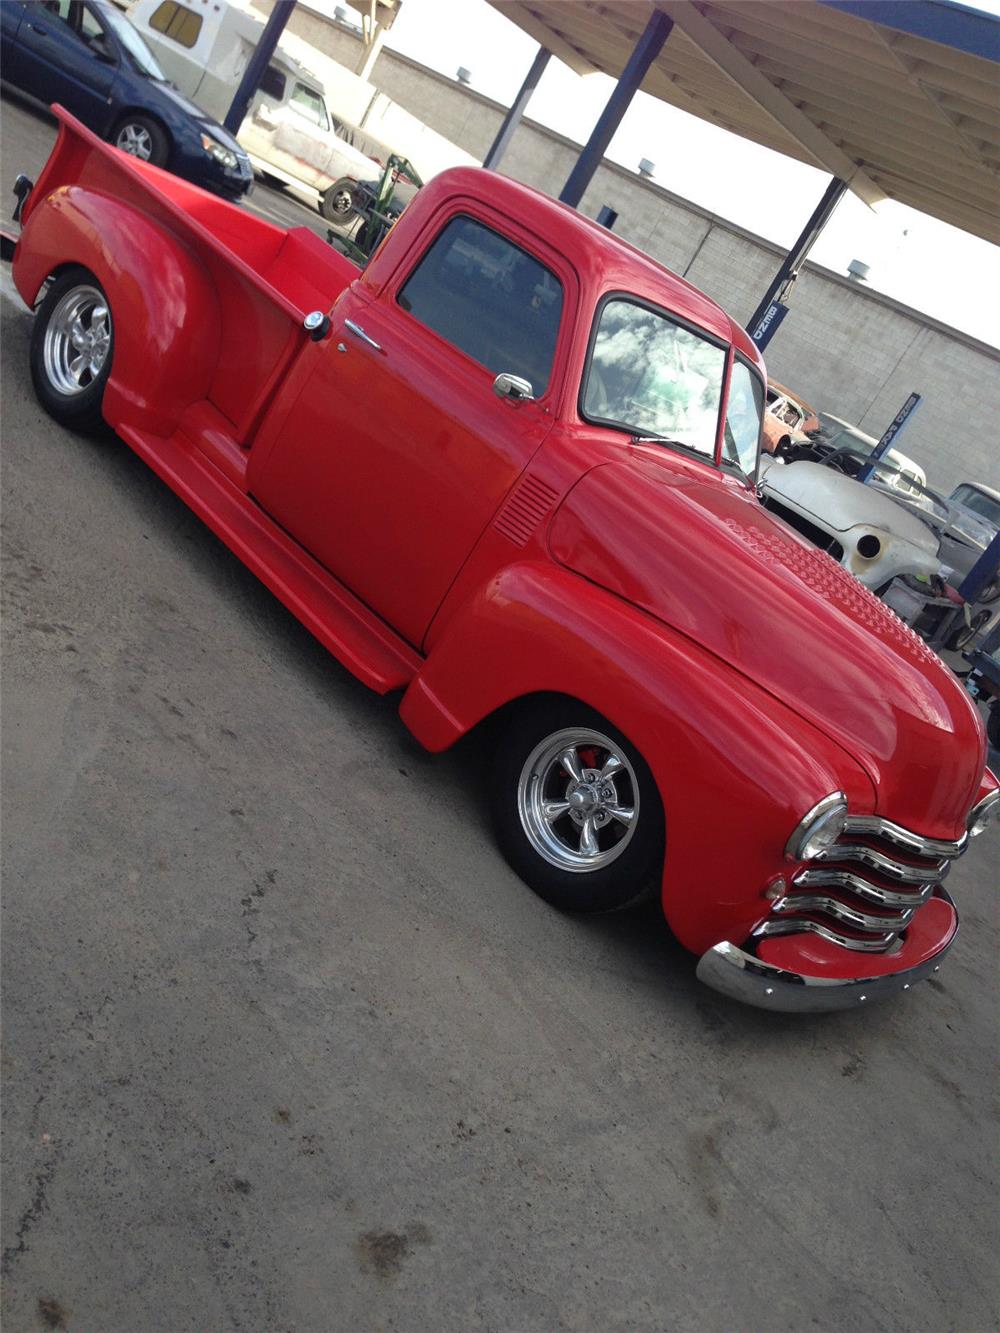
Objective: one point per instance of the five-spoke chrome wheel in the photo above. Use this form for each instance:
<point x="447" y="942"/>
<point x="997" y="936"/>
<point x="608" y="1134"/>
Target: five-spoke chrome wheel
<point x="578" y="799"/>
<point x="576" y="809"/>
<point x="136" y="139"/>
<point x="72" y="350"/>
<point x="77" y="340"/>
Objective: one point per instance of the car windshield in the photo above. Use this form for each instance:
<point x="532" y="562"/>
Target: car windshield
<point x="653" y="377"/>
<point x="983" y="505"/>
<point x="137" y="49"/>
<point x="890" y="479"/>
<point x="845" y="437"/>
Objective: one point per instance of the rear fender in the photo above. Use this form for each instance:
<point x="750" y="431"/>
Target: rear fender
<point x="163" y="304"/>
<point x="736" y="770"/>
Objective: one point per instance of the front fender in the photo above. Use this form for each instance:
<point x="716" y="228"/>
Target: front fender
<point x="163" y="304"/>
<point x="735" y="768"/>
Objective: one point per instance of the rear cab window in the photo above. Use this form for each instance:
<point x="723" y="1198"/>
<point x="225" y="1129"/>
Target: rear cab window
<point x="491" y="299"/>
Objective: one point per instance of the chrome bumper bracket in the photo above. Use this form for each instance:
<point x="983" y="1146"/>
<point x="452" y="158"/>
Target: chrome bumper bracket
<point x="733" y="972"/>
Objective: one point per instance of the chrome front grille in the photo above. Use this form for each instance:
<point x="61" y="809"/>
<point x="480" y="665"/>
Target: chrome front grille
<point x="875" y="864"/>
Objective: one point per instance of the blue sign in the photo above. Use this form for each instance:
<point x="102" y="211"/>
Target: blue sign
<point x="900" y="420"/>
<point x="768" y="323"/>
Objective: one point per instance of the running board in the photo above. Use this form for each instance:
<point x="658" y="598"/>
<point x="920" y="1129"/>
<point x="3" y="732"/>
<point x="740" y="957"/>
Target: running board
<point x="355" y="636"/>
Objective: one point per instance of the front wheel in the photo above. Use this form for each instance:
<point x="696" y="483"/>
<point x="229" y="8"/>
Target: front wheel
<point x="577" y="812"/>
<point x="142" y="137"/>
<point x="72" y="344"/>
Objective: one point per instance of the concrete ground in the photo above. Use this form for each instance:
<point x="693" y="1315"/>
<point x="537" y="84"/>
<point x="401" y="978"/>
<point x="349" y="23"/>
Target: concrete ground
<point x="289" y="1047"/>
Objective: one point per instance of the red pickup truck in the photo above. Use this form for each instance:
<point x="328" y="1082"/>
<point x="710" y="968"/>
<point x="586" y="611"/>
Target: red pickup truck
<point x="508" y="470"/>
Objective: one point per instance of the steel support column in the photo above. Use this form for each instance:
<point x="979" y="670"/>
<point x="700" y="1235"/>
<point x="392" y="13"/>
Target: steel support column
<point x="647" y="48"/>
<point x="761" y="329"/>
<point x="514" y="115"/>
<point x="256" y="65"/>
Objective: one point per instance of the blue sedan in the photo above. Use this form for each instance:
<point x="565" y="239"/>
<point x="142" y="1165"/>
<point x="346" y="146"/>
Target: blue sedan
<point x="87" y="56"/>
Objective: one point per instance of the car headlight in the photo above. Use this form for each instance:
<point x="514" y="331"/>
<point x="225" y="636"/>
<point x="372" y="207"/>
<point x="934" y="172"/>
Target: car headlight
<point x="984" y="814"/>
<point x="218" y="151"/>
<point x="819" y="829"/>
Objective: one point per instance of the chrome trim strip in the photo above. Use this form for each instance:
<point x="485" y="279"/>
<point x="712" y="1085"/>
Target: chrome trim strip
<point x="875" y="826"/>
<point x="742" y="977"/>
<point x="843" y="879"/>
<point x="851" y="916"/>
<point x="979" y="810"/>
<point x="885" y="865"/>
<point x="792" y="926"/>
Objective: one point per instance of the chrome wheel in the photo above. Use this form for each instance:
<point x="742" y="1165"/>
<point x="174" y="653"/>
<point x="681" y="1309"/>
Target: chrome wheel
<point x="342" y="202"/>
<point x="134" y="138"/>
<point x="77" y="340"/>
<point x="578" y="800"/>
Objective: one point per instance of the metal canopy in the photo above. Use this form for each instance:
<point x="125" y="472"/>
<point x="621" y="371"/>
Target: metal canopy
<point x="895" y="112"/>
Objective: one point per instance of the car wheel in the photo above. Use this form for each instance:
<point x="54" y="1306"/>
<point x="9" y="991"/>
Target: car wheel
<point x="576" y="810"/>
<point x="964" y="635"/>
<point x="143" y="138"/>
<point x="72" y="345"/>
<point x="340" y="202"/>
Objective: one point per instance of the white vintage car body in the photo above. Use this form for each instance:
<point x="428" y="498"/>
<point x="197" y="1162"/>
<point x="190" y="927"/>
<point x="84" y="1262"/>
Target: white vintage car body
<point x="863" y="528"/>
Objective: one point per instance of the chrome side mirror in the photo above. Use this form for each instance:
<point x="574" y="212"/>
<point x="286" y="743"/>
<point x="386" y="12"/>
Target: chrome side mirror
<point x="514" y="388"/>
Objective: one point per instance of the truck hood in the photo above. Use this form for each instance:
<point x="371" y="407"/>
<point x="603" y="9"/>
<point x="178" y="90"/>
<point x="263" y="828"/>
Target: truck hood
<point x="700" y="554"/>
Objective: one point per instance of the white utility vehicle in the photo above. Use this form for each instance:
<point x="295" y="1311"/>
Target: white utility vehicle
<point x="291" y="133"/>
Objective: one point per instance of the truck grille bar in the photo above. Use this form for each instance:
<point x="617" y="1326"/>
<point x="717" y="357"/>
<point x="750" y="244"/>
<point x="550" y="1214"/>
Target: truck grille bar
<point x="833" y="895"/>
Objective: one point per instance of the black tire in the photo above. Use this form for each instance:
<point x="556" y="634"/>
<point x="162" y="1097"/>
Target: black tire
<point x="143" y="137"/>
<point x="340" y="203"/>
<point x="52" y="350"/>
<point x="963" y="636"/>
<point x="629" y="857"/>
<point x="993" y="724"/>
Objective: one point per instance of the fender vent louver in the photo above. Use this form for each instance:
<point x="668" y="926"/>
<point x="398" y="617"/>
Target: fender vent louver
<point x="525" y="508"/>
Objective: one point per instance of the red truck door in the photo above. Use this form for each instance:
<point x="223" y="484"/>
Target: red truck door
<point x="397" y="451"/>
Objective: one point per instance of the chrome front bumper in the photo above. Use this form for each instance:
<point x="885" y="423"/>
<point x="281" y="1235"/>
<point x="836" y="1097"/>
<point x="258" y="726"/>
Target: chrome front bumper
<point x="739" y="975"/>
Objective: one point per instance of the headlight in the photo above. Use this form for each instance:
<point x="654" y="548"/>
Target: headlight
<point x="984" y="814"/>
<point x="819" y="829"/>
<point x="218" y="151"/>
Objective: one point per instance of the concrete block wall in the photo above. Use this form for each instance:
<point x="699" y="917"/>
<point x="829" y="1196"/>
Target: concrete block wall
<point x="847" y="350"/>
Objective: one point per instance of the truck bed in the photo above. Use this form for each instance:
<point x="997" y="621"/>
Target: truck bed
<point x="266" y="278"/>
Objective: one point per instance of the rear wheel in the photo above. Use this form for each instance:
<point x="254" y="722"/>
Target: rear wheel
<point x="143" y="138"/>
<point x="72" y="344"/>
<point x="340" y="202"/>
<point x="576" y="810"/>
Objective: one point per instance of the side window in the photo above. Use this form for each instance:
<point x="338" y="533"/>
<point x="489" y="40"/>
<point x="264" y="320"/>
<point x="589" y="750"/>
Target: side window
<point x="272" y="83"/>
<point x="309" y="105"/>
<point x="490" y="299"/>
<point x="90" y="29"/>
<point x="180" y="24"/>
<point x="66" y="10"/>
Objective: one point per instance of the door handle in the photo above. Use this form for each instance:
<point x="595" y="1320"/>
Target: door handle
<point x="37" y="27"/>
<point x="359" y="332"/>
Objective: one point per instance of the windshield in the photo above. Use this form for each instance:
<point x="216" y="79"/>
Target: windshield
<point x="888" y="478"/>
<point x="133" y="43"/>
<point x="650" y="376"/>
<point x="741" y="434"/>
<point x="981" y="504"/>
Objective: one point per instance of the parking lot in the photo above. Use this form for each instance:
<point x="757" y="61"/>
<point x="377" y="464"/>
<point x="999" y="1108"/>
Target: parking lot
<point x="288" y="1046"/>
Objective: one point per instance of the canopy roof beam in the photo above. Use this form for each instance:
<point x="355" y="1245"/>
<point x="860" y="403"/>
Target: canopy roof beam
<point x="734" y="64"/>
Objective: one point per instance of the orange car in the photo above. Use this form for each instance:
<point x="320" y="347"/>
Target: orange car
<point x="788" y="419"/>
